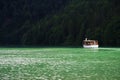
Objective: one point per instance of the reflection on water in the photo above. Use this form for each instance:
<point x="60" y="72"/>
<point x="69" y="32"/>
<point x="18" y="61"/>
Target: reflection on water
<point x="108" y="49"/>
<point x="91" y="50"/>
<point x="101" y="49"/>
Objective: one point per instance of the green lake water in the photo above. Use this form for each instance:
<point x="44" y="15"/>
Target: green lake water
<point x="59" y="64"/>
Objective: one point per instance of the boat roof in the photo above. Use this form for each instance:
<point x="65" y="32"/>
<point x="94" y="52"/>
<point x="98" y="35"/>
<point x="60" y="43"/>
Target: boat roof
<point x="89" y="40"/>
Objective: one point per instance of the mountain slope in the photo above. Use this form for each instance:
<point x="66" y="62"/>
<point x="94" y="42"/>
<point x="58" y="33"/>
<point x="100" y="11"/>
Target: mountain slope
<point x="17" y="13"/>
<point x="95" y="19"/>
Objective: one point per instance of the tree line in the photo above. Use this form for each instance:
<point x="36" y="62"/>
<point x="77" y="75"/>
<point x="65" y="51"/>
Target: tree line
<point x="67" y="23"/>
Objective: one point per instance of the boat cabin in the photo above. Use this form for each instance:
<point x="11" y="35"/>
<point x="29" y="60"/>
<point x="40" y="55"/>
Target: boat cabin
<point x="90" y="43"/>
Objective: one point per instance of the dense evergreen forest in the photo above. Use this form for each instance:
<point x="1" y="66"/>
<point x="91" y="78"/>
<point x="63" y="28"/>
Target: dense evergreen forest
<point x="59" y="22"/>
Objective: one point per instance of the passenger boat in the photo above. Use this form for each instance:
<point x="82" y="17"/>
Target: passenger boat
<point x="90" y="43"/>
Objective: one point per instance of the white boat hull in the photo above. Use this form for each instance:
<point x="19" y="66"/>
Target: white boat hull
<point x="90" y="46"/>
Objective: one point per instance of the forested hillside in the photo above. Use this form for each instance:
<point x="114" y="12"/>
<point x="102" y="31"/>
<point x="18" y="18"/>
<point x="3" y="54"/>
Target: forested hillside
<point x="16" y="14"/>
<point x="59" y="22"/>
